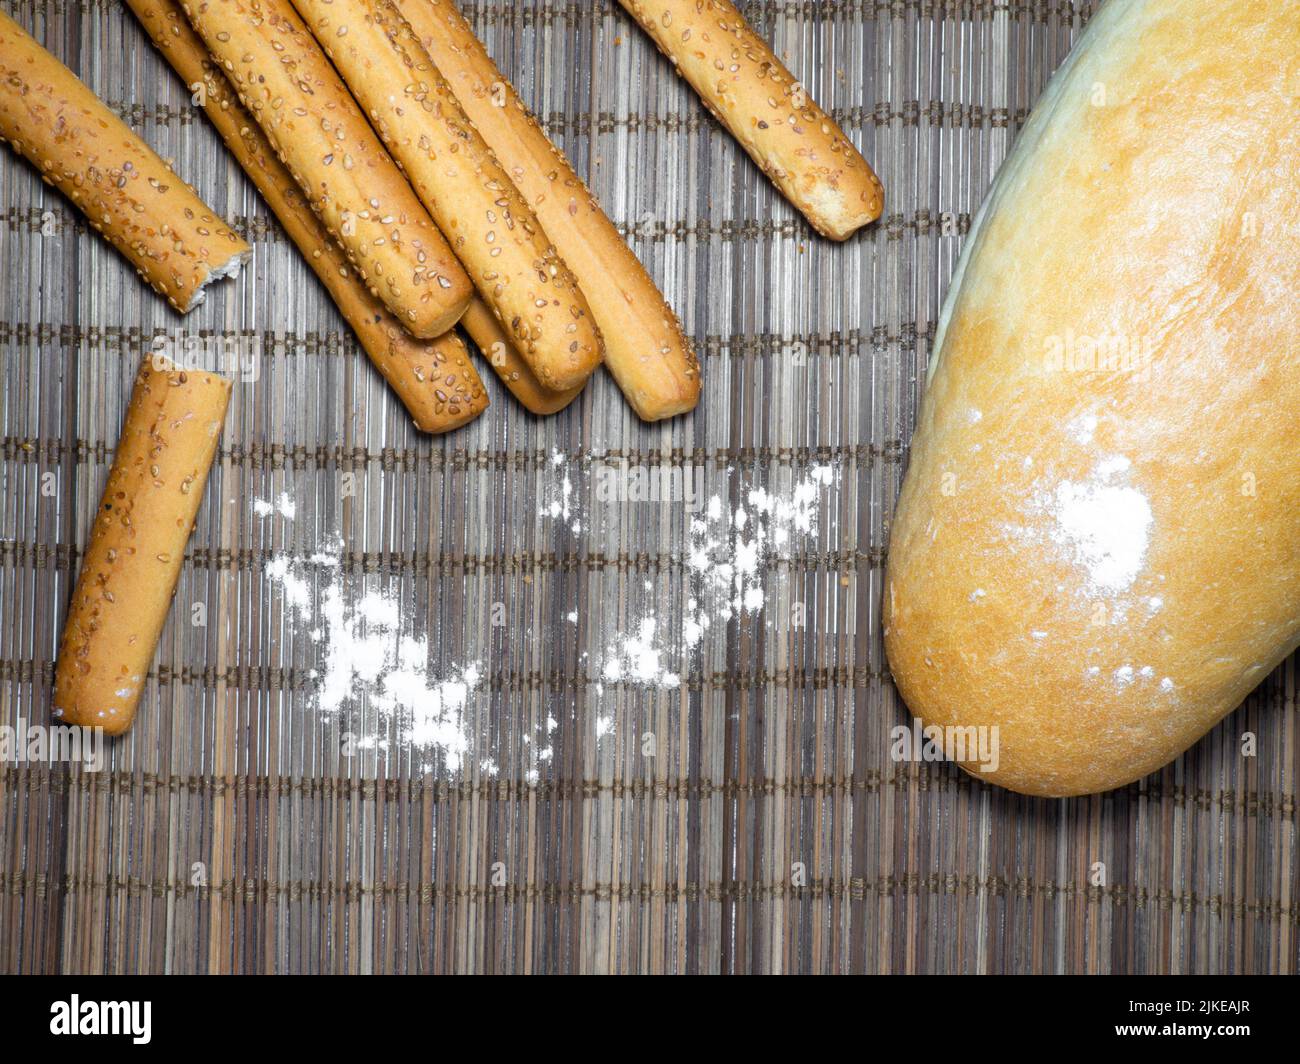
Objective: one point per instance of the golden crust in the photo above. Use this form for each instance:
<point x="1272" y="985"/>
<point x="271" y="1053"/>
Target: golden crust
<point x="435" y="379"/>
<point x="1096" y="548"/>
<point x="128" y="194"/>
<point x="749" y="90"/>
<point x="494" y="233"/>
<point x="495" y="346"/>
<point x="137" y="545"/>
<point x="323" y="139"/>
<point x="645" y="349"/>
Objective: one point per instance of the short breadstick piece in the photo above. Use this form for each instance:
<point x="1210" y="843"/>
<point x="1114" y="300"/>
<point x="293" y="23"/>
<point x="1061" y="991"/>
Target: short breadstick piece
<point x="288" y="85"/>
<point x="509" y="364"/>
<point x="645" y="349"/>
<point x="434" y="378"/>
<point x="126" y="191"/>
<point x="749" y="90"/>
<point x="137" y="544"/>
<point x="493" y="232"/>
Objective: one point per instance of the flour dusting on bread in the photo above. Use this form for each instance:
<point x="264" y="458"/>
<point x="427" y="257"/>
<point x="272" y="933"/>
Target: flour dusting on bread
<point x="1107" y="529"/>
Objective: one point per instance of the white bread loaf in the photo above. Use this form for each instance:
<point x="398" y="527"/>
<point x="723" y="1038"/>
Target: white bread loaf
<point x="1097" y="547"/>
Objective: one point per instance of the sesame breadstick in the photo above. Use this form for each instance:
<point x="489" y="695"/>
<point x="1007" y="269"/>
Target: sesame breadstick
<point x="324" y="140"/>
<point x="749" y="90"/>
<point x="128" y="194"/>
<point x="501" y="354"/>
<point x="129" y="573"/>
<point x="645" y="349"/>
<point x="494" y="233"/>
<point x="435" y="379"/>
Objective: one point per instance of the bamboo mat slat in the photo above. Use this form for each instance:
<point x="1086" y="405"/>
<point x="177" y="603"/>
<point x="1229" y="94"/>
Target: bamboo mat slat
<point x="770" y="832"/>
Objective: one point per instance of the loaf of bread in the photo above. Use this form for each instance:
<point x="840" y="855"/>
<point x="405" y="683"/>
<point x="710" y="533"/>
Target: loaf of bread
<point x="128" y="194"/>
<point x="1096" y="553"/>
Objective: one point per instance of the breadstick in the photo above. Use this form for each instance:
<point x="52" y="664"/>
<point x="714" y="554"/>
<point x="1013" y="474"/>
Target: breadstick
<point x="129" y="574"/>
<point x="749" y="90"/>
<point x="494" y="233"/>
<point x="435" y="379"/>
<point x="284" y="79"/>
<point x="645" y="349"/>
<point x="126" y="191"/>
<point x="510" y="366"/>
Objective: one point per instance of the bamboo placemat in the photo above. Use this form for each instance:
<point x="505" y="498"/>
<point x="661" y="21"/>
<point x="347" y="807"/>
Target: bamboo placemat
<point x="770" y="831"/>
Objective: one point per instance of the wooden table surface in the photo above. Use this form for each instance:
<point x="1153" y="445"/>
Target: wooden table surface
<point x="233" y="831"/>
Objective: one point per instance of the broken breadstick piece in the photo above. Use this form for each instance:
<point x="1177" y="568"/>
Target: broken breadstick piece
<point x="137" y="544"/>
<point x="749" y="90"/>
<point x="435" y="379"/>
<point x="500" y="352"/>
<point x="128" y="194"/>
<point x="286" y="83"/>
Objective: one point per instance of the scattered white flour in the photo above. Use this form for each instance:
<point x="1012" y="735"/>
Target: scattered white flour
<point x="1106" y="528"/>
<point x="728" y="552"/>
<point x="729" y="548"/>
<point x="1125" y="675"/>
<point x="637" y="659"/>
<point x="558" y="503"/>
<point x="1113" y="466"/>
<point x="369" y="659"/>
<point x="284" y="505"/>
<point x="374" y="665"/>
<point x="1082" y="428"/>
